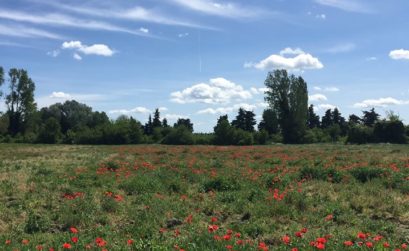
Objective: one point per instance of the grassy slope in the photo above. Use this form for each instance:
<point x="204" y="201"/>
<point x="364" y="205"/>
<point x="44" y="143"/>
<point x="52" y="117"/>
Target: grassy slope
<point x="162" y="196"/>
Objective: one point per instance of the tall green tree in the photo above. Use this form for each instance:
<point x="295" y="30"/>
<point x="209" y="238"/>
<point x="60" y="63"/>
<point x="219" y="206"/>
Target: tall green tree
<point x="313" y="118"/>
<point x="156" y="119"/>
<point x="288" y="97"/>
<point x="370" y="117"/>
<point x="148" y="128"/>
<point x="240" y="121"/>
<point x="326" y="120"/>
<point x="165" y="123"/>
<point x="20" y="101"/>
<point x="184" y="122"/>
<point x="223" y="131"/>
<point x="269" y="122"/>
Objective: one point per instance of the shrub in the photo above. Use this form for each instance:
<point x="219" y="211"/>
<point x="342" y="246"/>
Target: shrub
<point x="221" y="184"/>
<point x="180" y="135"/>
<point x="360" y="135"/>
<point x="365" y="174"/>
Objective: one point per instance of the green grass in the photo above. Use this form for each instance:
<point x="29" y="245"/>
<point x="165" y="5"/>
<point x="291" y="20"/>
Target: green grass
<point x="162" y="197"/>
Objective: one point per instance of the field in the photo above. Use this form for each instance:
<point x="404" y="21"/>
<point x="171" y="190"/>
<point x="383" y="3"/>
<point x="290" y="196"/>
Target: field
<point x="311" y="197"/>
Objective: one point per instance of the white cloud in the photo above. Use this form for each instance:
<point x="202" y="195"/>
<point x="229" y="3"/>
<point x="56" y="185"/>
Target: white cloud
<point x="218" y="90"/>
<point x="325" y="107"/>
<point x="399" y="54"/>
<point x="60" y="95"/>
<point x="291" y="51"/>
<point x="317" y="97"/>
<point x="257" y="91"/>
<point x="139" y="109"/>
<point x="26" y="32"/>
<point x="96" y="49"/>
<point x="300" y="62"/>
<point x="225" y="9"/>
<point x="163" y="109"/>
<point x="381" y="102"/>
<point x="321" y="16"/>
<point x="144" y="30"/>
<point x="326" y="89"/>
<point x="229" y="109"/>
<point x="76" y="56"/>
<point x="181" y="35"/>
<point x="53" y="53"/>
<point x="347" y="5"/>
<point x="65" y="21"/>
<point x="175" y="116"/>
<point x="341" y="48"/>
<point x="371" y="59"/>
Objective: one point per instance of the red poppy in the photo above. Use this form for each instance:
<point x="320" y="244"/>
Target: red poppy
<point x="227" y="237"/>
<point x="73" y="230"/>
<point x="39" y="247"/>
<point x="378" y="238"/>
<point x="66" y="246"/>
<point x="74" y="239"/>
<point x="320" y="245"/>
<point x="369" y="244"/>
<point x="286" y="239"/>
<point x="262" y="246"/>
<point x="130" y="242"/>
<point x="229" y="247"/>
<point x="213" y="219"/>
<point x="8" y="242"/>
<point x="404" y="246"/>
<point x="348" y="243"/>
<point x="361" y="235"/>
<point x="329" y="217"/>
<point x="212" y="228"/>
<point x="294" y="249"/>
<point x="386" y="245"/>
<point x="100" y="242"/>
<point x="298" y="234"/>
<point x="25" y="241"/>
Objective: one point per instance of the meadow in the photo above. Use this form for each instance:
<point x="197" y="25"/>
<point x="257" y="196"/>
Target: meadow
<point x="152" y="197"/>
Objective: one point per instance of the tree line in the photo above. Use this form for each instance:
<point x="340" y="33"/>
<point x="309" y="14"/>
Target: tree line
<point x="287" y="119"/>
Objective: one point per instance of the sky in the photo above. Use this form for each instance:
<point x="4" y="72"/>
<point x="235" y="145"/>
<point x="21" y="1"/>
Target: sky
<point x="200" y="59"/>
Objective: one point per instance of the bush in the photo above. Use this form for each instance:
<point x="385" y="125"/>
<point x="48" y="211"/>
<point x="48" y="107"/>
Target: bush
<point x="319" y="173"/>
<point x="392" y="131"/>
<point x="365" y="174"/>
<point x="180" y="135"/>
<point x="221" y="184"/>
<point x="360" y="135"/>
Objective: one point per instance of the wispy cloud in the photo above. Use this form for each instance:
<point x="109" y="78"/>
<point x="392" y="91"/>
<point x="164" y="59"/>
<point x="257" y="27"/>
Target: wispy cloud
<point x="28" y="32"/>
<point x="64" y="20"/>
<point x="381" y="102"/>
<point x="229" y="10"/>
<point x="347" y="5"/>
<point x="341" y="48"/>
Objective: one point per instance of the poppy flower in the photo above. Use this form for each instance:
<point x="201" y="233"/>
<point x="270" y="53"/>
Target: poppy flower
<point x="320" y="245"/>
<point x="213" y="219"/>
<point x="73" y="230"/>
<point x="386" y="245"/>
<point x="348" y="243"/>
<point x="237" y="235"/>
<point x="227" y="237"/>
<point x="298" y="234"/>
<point x="25" y="241"/>
<point x="404" y="246"/>
<point x="39" y="247"/>
<point x="378" y="238"/>
<point x="329" y="217"/>
<point x="100" y="242"/>
<point x="361" y="235"/>
<point x="229" y="247"/>
<point x="51" y="249"/>
<point x="286" y="239"/>
<point x="212" y="228"/>
<point x="294" y="249"/>
<point x="262" y="246"/>
<point x="74" y="239"/>
<point x="8" y="242"/>
<point x="369" y="244"/>
<point x="130" y="242"/>
<point x="66" y="246"/>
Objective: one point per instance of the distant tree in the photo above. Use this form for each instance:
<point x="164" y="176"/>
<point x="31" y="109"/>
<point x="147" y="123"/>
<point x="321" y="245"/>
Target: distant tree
<point x="135" y="131"/>
<point x="250" y="121"/>
<point x="370" y="117"/>
<point x="223" y="131"/>
<point x="148" y="128"/>
<point x="4" y="124"/>
<point x="313" y="118"/>
<point x="184" y="122"/>
<point x="326" y="120"/>
<point x="165" y="123"/>
<point x="180" y="135"/>
<point x="336" y="117"/>
<point x="354" y="120"/>
<point x="156" y="119"/>
<point x="50" y="133"/>
<point x="390" y="131"/>
<point x="20" y="101"/>
<point x="240" y="121"/>
<point x="269" y="122"/>
<point x="288" y="97"/>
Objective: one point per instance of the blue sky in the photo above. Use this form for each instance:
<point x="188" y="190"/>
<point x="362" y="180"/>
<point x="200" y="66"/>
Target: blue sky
<point x="203" y="58"/>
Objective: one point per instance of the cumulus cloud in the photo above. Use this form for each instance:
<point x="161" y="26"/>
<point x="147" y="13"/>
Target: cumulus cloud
<point x="95" y="49"/>
<point x="317" y="97"/>
<point x="399" y="54"/>
<point x="381" y="102"/>
<point x="229" y="109"/>
<point x="139" y="109"/>
<point x="62" y="95"/>
<point x="76" y="56"/>
<point x="299" y="62"/>
<point x="217" y="91"/>
<point x="256" y="91"/>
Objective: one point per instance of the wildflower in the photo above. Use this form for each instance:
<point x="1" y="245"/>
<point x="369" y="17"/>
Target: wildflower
<point x="130" y="242"/>
<point x="378" y="238"/>
<point x="286" y="239"/>
<point x="39" y="247"/>
<point x="73" y="230"/>
<point x="298" y="234"/>
<point x="404" y="246"/>
<point x="25" y="241"/>
<point x="227" y="237"/>
<point x="386" y="245"/>
<point x="189" y="219"/>
<point x="320" y="245"/>
<point x="304" y="230"/>
<point x="8" y="242"/>
<point x="294" y="249"/>
<point x="262" y="246"/>
<point x="100" y="242"/>
<point x="176" y="232"/>
<point x="88" y="246"/>
<point x="329" y="217"/>
<point x="213" y="219"/>
<point x="361" y="235"/>
<point x="212" y="228"/>
<point x="229" y="247"/>
<point x="237" y="235"/>
<point x="74" y="239"/>
<point x="239" y="242"/>
<point x="51" y="249"/>
<point x="369" y="244"/>
<point x="348" y="243"/>
<point x="66" y="246"/>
